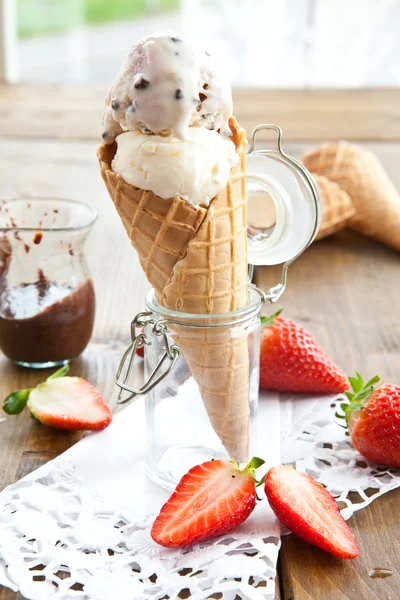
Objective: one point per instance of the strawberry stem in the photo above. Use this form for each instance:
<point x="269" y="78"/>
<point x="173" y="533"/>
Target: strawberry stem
<point x="266" y="321"/>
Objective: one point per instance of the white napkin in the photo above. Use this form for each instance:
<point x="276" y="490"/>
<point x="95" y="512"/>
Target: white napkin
<point x="94" y="504"/>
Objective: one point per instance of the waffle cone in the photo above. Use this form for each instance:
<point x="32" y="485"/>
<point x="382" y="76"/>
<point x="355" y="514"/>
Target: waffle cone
<point x="159" y="229"/>
<point x="361" y="175"/>
<point x="212" y="279"/>
<point x="337" y="208"/>
<point x="196" y="260"/>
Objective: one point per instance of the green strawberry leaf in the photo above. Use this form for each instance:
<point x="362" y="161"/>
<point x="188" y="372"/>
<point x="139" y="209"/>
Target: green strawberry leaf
<point x="254" y="464"/>
<point x="356" y="384"/>
<point x="265" y="321"/>
<point x="356" y="398"/>
<point x="59" y="373"/>
<point x="262" y="480"/>
<point x="16" y="402"/>
<point x="372" y="381"/>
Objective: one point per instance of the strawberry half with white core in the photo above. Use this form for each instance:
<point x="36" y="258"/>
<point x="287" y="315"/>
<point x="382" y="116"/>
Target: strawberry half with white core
<point x="210" y="500"/>
<point x="308" y="510"/>
<point x="70" y="403"/>
<point x="373" y="419"/>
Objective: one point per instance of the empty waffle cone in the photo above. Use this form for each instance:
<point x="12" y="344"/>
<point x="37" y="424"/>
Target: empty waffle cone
<point x="361" y="175"/>
<point x="337" y="208"/>
<point x="196" y="260"/>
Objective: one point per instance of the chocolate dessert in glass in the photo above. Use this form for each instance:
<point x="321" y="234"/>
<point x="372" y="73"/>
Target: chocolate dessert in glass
<point x="47" y="300"/>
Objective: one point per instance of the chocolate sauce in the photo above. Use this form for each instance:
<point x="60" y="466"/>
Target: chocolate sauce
<point x="44" y="321"/>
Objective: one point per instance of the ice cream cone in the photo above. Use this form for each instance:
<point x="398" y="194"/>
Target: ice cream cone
<point x="159" y="229"/>
<point x="202" y="269"/>
<point x="212" y="279"/>
<point x="337" y="208"/>
<point x="361" y="175"/>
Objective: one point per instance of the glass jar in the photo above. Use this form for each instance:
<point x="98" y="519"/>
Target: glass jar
<point x="47" y="301"/>
<point x="201" y="370"/>
<point x="205" y="405"/>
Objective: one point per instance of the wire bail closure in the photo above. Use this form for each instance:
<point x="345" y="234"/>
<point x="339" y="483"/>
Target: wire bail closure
<point x="172" y="353"/>
<point x="275" y="292"/>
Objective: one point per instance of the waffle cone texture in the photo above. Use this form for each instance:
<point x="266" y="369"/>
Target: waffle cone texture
<point x="360" y="174"/>
<point x="196" y="260"/>
<point x="337" y="207"/>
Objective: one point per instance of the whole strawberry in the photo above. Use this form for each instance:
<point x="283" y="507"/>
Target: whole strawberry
<point x="373" y="419"/>
<point x="291" y="360"/>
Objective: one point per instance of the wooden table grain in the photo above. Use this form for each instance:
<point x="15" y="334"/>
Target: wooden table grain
<point x="344" y="289"/>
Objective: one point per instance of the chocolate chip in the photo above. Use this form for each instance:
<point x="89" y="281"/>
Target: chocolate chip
<point x="202" y="97"/>
<point x="143" y="128"/>
<point x="179" y="94"/>
<point x="105" y="135"/>
<point x="176" y="39"/>
<point x="205" y="86"/>
<point x="115" y="105"/>
<point x="141" y="84"/>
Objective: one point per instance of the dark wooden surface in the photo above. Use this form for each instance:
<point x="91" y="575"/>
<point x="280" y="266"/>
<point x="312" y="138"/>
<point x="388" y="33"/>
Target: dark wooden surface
<point x="344" y="289"/>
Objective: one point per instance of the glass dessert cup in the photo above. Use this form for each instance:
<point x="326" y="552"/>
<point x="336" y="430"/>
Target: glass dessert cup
<point x="47" y="301"/>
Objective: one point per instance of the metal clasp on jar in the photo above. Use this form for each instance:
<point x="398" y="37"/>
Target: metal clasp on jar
<point x="171" y="353"/>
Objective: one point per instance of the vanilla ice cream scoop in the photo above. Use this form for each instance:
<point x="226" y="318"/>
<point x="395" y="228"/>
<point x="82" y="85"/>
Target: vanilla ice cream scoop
<point x="195" y="169"/>
<point x="165" y="86"/>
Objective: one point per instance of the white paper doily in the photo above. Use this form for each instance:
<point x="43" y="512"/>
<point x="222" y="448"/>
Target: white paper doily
<point x="60" y="542"/>
<point x="60" y="538"/>
<point x="317" y="445"/>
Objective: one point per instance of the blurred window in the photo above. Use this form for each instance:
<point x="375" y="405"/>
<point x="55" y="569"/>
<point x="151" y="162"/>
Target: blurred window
<point x="264" y="43"/>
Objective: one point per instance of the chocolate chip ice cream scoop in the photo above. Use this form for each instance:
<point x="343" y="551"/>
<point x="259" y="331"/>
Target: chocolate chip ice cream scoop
<point x="166" y="85"/>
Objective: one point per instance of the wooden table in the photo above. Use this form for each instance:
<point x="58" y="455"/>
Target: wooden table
<point x="344" y="289"/>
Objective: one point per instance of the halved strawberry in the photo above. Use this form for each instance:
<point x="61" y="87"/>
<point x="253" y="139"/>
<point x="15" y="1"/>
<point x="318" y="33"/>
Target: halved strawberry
<point x="309" y="510"/>
<point x="211" y="499"/>
<point x="70" y="403"/>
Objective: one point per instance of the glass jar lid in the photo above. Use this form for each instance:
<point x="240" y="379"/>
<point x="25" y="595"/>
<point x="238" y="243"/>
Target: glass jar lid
<point x="283" y="205"/>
